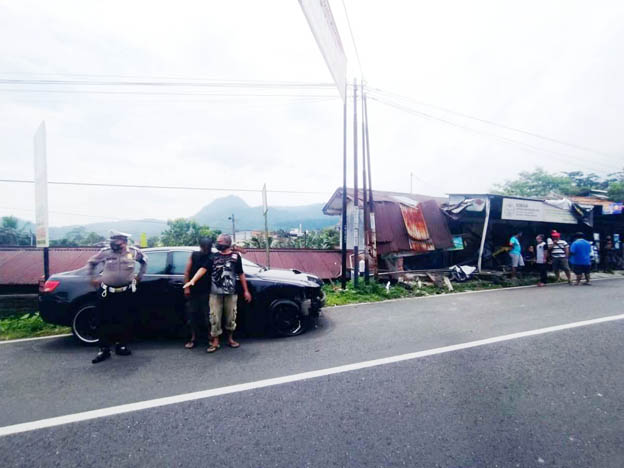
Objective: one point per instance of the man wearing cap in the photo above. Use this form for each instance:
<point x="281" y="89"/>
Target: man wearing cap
<point x="559" y="252"/>
<point x="225" y="268"/>
<point x="116" y="285"/>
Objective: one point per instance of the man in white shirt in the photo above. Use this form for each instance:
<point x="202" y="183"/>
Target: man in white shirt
<point x="541" y="256"/>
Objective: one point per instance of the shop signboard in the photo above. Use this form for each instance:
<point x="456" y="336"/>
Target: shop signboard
<point x="534" y="210"/>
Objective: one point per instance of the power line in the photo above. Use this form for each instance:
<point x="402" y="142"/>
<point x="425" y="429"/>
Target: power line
<point x="164" y="187"/>
<point x="357" y="53"/>
<point x="194" y="84"/>
<point x="496" y="124"/>
<point x="113" y="218"/>
<point x="492" y="135"/>
<point x="167" y="93"/>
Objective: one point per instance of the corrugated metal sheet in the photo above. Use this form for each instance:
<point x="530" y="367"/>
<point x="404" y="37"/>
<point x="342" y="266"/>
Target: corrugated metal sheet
<point x="323" y="263"/>
<point x="334" y="205"/>
<point x="415" y="222"/>
<point x="390" y="228"/>
<point x="437" y="225"/>
<point x="25" y="266"/>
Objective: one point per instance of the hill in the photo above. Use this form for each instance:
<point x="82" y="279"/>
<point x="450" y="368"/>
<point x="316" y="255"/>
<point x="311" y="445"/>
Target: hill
<point x="215" y="215"/>
<point x="248" y="217"/>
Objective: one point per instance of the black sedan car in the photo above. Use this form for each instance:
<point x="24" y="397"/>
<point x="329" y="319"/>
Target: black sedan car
<point x="284" y="301"/>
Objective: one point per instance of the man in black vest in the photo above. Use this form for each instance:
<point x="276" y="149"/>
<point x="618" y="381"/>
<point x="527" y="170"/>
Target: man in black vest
<point x="198" y="298"/>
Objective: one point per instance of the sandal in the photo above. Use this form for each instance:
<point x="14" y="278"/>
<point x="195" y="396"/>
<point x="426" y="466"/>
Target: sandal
<point x="212" y="348"/>
<point x="190" y="344"/>
<point x="233" y="344"/>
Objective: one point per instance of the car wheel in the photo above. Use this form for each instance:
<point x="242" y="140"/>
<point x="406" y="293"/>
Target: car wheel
<point x="286" y="319"/>
<point x="84" y="325"/>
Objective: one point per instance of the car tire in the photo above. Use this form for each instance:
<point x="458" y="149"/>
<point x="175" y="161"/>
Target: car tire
<point x="285" y="318"/>
<point x="83" y="325"/>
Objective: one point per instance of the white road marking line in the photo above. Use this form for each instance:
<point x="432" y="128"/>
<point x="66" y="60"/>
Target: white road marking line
<point x="21" y="340"/>
<point x="142" y="405"/>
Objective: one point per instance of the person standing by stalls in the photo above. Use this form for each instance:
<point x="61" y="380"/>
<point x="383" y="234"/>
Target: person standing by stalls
<point x="515" y="253"/>
<point x="116" y="287"/>
<point x="225" y="266"/>
<point x="198" y="298"/>
<point x="608" y="255"/>
<point x="559" y="252"/>
<point x="541" y="258"/>
<point x="580" y="258"/>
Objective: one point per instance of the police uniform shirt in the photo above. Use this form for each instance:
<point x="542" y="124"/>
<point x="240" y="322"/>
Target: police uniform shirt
<point x="118" y="266"/>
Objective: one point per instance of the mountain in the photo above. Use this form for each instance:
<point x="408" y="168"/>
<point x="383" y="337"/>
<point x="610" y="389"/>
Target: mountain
<point x="249" y="218"/>
<point x="215" y="215"/>
<point x="151" y="227"/>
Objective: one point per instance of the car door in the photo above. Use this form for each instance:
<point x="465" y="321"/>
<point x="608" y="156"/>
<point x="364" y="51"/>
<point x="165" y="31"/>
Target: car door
<point x="179" y="260"/>
<point x="155" y="303"/>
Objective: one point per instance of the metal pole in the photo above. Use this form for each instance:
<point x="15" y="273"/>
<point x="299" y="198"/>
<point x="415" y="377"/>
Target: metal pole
<point x="46" y="263"/>
<point x="233" y="218"/>
<point x="268" y="247"/>
<point x="364" y="194"/>
<point x="356" y="209"/>
<point x="265" y="208"/>
<point x="371" y="209"/>
<point x="343" y="229"/>
<point x="485" y="227"/>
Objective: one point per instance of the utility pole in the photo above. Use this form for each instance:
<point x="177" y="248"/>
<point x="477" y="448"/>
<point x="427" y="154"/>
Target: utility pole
<point x="356" y="208"/>
<point x="343" y="230"/>
<point x="265" y="209"/>
<point x="364" y="194"/>
<point x="233" y="219"/>
<point x="371" y="204"/>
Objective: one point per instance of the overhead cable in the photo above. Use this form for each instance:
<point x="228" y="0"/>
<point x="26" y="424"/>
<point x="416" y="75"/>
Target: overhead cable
<point x="490" y="122"/>
<point x="554" y="154"/>
<point x="164" y="187"/>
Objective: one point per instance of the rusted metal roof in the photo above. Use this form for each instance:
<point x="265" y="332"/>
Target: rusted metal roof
<point x="24" y="266"/>
<point x="590" y="201"/>
<point x="334" y="205"/>
<point x="323" y="263"/>
<point x="421" y="228"/>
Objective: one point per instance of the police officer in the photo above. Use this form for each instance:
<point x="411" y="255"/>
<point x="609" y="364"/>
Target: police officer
<point x="115" y="286"/>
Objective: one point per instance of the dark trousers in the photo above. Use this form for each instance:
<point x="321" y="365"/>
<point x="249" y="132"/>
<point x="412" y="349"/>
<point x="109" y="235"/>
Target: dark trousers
<point x="542" y="268"/>
<point x="197" y="311"/>
<point x="114" y="317"/>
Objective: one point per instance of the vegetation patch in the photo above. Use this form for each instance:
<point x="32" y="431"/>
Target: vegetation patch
<point x="28" y="326"/>
<point x="375" y="292"/>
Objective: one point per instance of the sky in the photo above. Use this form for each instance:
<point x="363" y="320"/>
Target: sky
<point x="552" y="69"/>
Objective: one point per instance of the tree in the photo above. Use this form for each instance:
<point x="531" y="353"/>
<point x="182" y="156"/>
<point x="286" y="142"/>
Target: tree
<point x="540" y="183"/>
<point x="93" y="238"/>
<point x="11" y="233"/>
<point x="153" y="241"/>
<point x="186" y="232"/>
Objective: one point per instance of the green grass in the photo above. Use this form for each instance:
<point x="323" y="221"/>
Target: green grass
<point x="375" y="292"/>
<point x="28" y="326"/>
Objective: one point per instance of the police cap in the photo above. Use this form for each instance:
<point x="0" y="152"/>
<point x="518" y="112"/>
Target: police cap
<point x="113" y="234"/>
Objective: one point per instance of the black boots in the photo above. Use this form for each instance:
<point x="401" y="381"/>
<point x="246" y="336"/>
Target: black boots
<point x="122" y="350"/>
<point x="102" y="355"/>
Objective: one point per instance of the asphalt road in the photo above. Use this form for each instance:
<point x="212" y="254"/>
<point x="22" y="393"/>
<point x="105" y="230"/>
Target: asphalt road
<point x="555" y="399"/>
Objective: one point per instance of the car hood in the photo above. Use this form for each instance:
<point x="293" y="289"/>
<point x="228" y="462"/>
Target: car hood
<point x="290" y="276"/>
